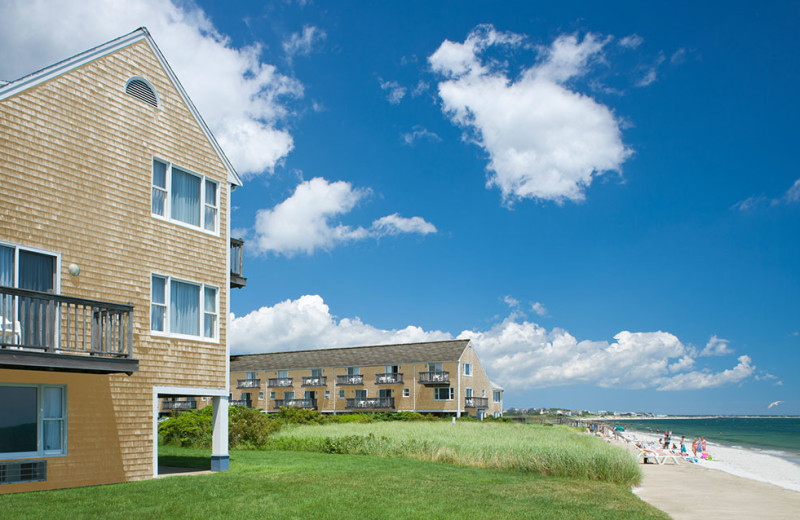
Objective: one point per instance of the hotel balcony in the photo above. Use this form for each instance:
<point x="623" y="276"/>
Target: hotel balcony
<point x="248" y="383"/>
<point x="476" y="402"/>
<point x="315" y="381"/>
<point x="389" y="379"/>
<point x="237" y="257"/>
<point x="241" y="402"/>
<point x="370" y="403"/>
<point x="356" y="379"/>
<point x="44" y="331"/>
<point x="180" y="405"/>
<point x="434" y="378"/>
<point x="279" y="382"/>
<point x="306" y="404"/>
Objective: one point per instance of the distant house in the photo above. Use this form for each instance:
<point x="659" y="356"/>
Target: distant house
<point x="441" y="377"/>
<point x="115" y="266"/>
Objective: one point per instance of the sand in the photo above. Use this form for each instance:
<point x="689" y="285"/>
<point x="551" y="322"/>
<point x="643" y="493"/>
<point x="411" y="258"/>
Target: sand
<point x="738" y="483"/>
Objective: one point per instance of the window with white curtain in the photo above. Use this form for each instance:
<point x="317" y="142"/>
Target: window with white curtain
<point x="35" y="417"/>
<point x="175" y="307"/>
<point x="186" y="197"/>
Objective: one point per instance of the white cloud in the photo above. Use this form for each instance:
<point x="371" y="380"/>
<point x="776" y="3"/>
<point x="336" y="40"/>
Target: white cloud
<point x="305" y="221"/>
<point x="539" y="309"/>
<point x="678" y="56"/>
<point x="419" y="133"/>
<point x="716" y="347"/>
<point x="544" y="140"/>
<point x="631" y="41"/>
<point x="394" y="224"/>
<point x="651" y="73"/>
<point x="511" y="301"/>
<point x="791" y="196"/>
<point x="243" y="103"/>
<point x="793" y="193"/>
<point x="306" y="323"/>
<point x="394" y="91"/>
<point x="517" y="354"/>
<point x="302" y="43"/>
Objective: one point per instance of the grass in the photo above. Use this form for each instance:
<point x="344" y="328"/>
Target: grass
<point x="291" y="485"/>
<point x="545" y="450"/>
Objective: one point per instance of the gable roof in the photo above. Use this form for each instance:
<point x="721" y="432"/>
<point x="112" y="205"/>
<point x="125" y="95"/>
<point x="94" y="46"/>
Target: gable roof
<point x="14" y="87"/>
<point x="429" y="352"/>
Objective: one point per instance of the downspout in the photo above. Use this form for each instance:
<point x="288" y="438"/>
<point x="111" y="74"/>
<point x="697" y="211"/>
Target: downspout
<point x="458" y="389"/>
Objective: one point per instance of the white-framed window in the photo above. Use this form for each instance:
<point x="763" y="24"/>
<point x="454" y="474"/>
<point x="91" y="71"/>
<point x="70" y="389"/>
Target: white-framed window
<point x="37" y="416"/>
<point x="483" y="393"/>
<point x="467" y="369"/>
<point x="353" y="371"/>
<point x="185" y="197"/>
<point x="361" y="394"/>
<point x="175" y="307"/>
<point x="496" y="396"/>
<point x="261" y="396"/>
<point x="444" y="394"/>
<point x="327" y="394"/>
<point x="283" y="374"/>
<point x="469" y="393"/>
<point x="406" y="392"/>
<point x="341" y="394"/>
<point x="272" y="395"/>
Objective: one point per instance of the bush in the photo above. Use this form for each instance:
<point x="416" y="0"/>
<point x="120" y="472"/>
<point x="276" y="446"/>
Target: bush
<point x="189" y="429"/>
<point x="249" y="428"/>
<point x="293" y="415"/>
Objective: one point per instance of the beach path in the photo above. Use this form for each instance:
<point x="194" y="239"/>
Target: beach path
<point x="688" y="491"/>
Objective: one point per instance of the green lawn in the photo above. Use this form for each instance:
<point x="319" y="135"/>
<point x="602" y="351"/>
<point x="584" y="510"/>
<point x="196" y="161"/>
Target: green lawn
<point x="276" y="484"/>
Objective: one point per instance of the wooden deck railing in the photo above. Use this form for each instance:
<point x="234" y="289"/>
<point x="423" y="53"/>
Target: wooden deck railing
<point x="369" y="403"/>
<point x="180" y="405"/>
<point x="307" y="404"/>
<point x="51" y="323"/>
<point x="476" y="402"/>
<point x="241" y="402"/>
<point x="237" y="259"/>
<point x="389" y="379"/>
<point x="356" y="379"/>
<point x="315" y="381"/>
<point x="248" y="383"/>
<point x="279" y="382"/>
<point x="434" y="378"/>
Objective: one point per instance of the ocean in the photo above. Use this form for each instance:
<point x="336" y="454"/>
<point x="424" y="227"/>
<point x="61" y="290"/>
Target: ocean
<point x="779" y="436"/>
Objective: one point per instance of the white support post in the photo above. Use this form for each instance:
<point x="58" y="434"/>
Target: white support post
<point x="220" y="460"/>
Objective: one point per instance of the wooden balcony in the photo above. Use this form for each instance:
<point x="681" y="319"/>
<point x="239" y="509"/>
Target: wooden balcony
<point x="237" y="258"/>
<point x="356" y="379"/>
<point x="389" y="379"/>
<point x="370" y="403"/>
<point x="476" y="402"/>
<point x="179" y="405"/>
<point x="306" y="404"/>
<point x="248" y="383"/>
<point x="434" y="378"/>
<point x="46" y="331"/>
<point x="279" y="382"/>
<point x="315" y="381"/>
<point x="241" y="402"/>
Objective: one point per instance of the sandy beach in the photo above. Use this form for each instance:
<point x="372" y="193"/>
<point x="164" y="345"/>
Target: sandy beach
<point x="737" y="483"/>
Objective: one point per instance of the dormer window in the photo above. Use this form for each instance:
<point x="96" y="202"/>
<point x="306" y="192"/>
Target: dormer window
<point x="142" y="90"/>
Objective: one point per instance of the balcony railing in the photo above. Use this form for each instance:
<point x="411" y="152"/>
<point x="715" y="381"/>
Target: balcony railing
<point x="241" y="402"/>
<point x="476" y="402"/>
<point x="356" y="379"/>
<point x="237" y="257"/>
<point x="180" y="405"/>
<point x="389" y="379"/>
<point x="248" y="383"/>
<point x="369" y="403"/>
<point x="279" y="382"/>
<point x="315" y="381"/>
<point x="307" y="404"/>
<point x="434" y="378"/>
<point x="88" y="335"/>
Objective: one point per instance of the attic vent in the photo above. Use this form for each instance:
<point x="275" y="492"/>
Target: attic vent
<point x="28" y="471"/>
<point x="141" y="89"/>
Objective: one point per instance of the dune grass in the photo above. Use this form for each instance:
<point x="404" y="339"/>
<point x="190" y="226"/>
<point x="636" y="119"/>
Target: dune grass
<point x="289" y="485"/>
<point x="544" y="450"/>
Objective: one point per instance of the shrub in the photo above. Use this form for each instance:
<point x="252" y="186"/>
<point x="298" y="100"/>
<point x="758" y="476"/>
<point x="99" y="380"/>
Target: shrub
<point x="249" y="428"/>
<point x="188" y="429"/>
<point x="293" y="415"/>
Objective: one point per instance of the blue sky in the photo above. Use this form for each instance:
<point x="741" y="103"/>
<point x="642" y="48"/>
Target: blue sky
<point x="603" y="197"/>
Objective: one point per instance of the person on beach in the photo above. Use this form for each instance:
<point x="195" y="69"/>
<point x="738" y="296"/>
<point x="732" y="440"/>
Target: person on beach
<point x="695" y="444"/>
<point x="684" y="453"/>
<point x="703" y="447"/>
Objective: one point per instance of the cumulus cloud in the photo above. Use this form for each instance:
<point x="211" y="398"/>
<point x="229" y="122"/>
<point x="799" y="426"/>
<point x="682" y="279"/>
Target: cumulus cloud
<point x="394" y="91"/>
<point x="306" y="221"/>
<point x="544" y="140"/>
<point x="303" y="42"/>
<point x="517" y="354"/>
<point x="306" y="323"/>
<point x="243" y="105"/>
<point x="716" y="347"/>
<point x="419" y="133"/>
